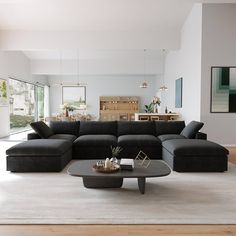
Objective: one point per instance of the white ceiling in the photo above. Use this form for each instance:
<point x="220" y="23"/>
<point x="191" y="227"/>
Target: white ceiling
<point x="116" y="15"/>
<point x="93" y="14"/>
<point x="124" y="20"/>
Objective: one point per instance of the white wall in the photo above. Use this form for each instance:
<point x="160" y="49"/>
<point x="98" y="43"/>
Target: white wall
<point x="16" y="65"/>
<point x="104" y="85"/>
<point x="218" y="49"/>
<point x="128" y="65"/>
<point x="186" y="63"/>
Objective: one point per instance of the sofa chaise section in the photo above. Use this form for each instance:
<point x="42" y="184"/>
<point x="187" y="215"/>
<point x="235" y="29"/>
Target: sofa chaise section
<point x="41" y="155"/>
<point x="195" y="155"/>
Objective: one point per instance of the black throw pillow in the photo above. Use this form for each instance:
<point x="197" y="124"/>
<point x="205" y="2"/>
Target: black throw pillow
<point x="191" y="129"/>
<point x="42" y="129"/>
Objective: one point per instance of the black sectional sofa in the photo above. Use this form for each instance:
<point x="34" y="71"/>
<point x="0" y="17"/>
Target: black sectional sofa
<point x="50" y="149"/>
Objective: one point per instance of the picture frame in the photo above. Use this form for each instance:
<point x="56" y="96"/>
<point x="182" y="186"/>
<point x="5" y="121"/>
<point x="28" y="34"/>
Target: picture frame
<point x="74" y="96"/>
<point x="178" y="92"/>
<point x="223" y="89"/>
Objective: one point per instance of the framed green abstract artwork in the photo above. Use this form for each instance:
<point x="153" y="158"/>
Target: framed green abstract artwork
<point x="178" y="92"/>
<point x="223" y="90"/>
<point x="3" y="92"/>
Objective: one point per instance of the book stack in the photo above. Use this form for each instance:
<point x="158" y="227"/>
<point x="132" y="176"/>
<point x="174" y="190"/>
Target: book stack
<point x="127" y="164"/>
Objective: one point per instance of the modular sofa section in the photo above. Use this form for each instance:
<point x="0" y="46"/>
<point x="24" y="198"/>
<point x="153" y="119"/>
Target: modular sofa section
<point x="95" y="140"/>
<point x="41" y="155"/>
<point x="134" y="136"/>
<point x="195" y="155"/>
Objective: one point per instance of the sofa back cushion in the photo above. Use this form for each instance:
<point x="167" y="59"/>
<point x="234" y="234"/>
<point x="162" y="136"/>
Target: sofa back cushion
<point x="136" y="127"/>
<point x="191" y="129"/>
<point x="65" y="127"/>
<point x="98" y="127"/>
<point x="42" y="129"/>
<point x="169" y="127"/>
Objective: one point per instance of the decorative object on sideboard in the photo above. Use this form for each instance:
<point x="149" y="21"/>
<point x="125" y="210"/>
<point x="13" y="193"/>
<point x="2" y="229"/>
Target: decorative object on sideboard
<point x="156" y="102"/>
<point x="153" y="106"/>
<point x="66" y="107"/>
<point x="148" y="108"/>
<point x="142" y="159"/>
<point x="223" y="89"/>
<point x="178" y="92"/>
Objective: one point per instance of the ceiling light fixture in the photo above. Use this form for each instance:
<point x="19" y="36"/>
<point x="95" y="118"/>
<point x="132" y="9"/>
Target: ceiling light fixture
<point x="144" y="84"/>
<point x="163" y="87"/>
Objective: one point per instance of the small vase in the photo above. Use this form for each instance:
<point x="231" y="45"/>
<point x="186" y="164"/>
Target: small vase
<point x="114" y="160"/>
<point x="155" y="109"/>
<point x="67" y="113"/>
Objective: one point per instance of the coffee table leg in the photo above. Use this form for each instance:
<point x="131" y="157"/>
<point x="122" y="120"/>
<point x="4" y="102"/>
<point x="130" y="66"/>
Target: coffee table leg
<point x="141" y="184"/>
<point x="95" y="182"/>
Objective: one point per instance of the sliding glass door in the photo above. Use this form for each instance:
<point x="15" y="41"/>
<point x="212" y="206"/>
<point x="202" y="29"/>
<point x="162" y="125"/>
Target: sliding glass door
<point x="26" y="104"/>
<point x="40" y="102"/>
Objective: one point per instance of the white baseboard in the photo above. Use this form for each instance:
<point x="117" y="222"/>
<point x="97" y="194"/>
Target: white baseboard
<point x="229" y="145"/>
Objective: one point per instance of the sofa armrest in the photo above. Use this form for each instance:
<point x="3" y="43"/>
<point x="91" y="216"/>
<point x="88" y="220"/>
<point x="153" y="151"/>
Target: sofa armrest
<point x="31" y="136"/>
<point x="201" y="135"/>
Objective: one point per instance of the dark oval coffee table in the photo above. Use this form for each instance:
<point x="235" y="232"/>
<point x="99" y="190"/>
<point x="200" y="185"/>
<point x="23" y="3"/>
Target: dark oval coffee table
<point x="93" y="179"/>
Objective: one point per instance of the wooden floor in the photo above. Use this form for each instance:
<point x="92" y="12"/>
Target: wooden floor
<point x="118" y="230"/>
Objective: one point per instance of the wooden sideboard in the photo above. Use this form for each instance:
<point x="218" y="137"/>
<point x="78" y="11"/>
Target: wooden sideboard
<point x="156" y="116"/>
<point x="118" y="108"/>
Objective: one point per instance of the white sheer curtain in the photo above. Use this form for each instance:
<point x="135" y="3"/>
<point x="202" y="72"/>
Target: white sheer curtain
<point x="46" y="101"/>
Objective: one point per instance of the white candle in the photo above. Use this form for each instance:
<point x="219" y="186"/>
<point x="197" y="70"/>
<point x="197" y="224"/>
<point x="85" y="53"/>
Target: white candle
<point x="107" y="163"/>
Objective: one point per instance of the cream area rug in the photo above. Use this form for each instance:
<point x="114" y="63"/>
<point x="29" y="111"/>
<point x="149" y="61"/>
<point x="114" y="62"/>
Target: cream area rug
<point x="58" y="198"/>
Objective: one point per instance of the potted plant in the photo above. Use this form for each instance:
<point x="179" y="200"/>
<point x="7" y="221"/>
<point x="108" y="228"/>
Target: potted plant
<point x="149" y="108"/>
<point x="152" y="107"/>
<point x="115" y="152"/>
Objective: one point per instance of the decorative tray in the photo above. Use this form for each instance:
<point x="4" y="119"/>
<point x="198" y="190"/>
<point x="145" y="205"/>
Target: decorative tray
<point x="102" y="169"/>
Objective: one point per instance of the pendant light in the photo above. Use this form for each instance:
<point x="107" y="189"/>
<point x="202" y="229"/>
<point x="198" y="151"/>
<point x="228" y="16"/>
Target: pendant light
<point x="144" y="84"/>
<point x="163" y="87"/>
<point x="77" y="72"/>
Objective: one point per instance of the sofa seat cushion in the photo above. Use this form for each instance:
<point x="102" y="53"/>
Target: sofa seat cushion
<point x="68" y="137"/>
<point x="138" y="140"/>
<point x="165" y="137"/>
<point x="40" y="147"/>
<point x="96" y="140"/>
<point x="194" y="147"/>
